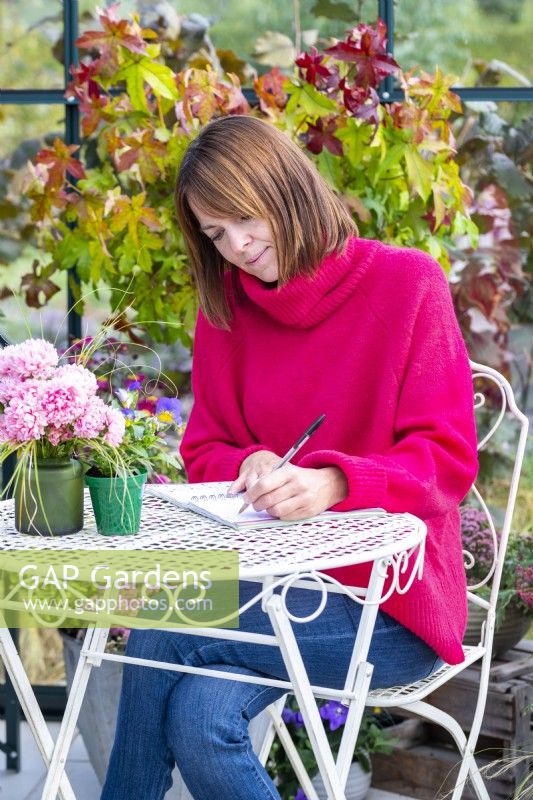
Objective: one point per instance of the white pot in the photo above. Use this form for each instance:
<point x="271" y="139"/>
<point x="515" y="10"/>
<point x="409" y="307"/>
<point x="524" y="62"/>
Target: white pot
<point x="357" y="785"/>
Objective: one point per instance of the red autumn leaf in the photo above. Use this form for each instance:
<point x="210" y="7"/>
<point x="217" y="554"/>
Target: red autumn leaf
<point x="321" y="135"/>
<point x="202" y="94"/>
<point x="312" y="68"/>
<point x="145" y="150"/>
<point x="115" y="32"/>
<point x="365" y="47"/>
<point x="59" y="161"/>
<point x="233" y="100"/>
<point x="362" y="103"/>
<point x="269" y="90"/>
<point x="83" y="78"/>
<point x="37" y="286"/>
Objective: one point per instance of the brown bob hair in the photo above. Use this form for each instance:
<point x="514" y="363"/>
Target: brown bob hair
<point x="242" y="166"/>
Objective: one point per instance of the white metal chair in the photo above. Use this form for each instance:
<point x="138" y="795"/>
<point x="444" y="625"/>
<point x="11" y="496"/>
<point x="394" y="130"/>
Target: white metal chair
<point x="412" y="697"/>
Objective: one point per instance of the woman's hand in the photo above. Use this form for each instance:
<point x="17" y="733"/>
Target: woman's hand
<point x="252" y="468"/>
<point x="291" y="492"/>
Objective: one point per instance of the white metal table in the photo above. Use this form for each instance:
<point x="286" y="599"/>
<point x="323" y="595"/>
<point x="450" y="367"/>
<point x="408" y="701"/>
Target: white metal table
<point x="292" y="555"/>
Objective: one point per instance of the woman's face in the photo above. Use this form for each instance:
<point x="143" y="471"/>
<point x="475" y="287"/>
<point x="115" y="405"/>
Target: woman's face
<point x="245" y="242"/>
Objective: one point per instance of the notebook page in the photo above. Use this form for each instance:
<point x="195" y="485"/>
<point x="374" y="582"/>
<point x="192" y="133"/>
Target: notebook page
<point x="182" y="493"/>
<point x="226" y="509"/>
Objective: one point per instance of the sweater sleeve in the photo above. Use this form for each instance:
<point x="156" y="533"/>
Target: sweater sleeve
<point x="433" y="461"/>
<point x="208" y="447"/>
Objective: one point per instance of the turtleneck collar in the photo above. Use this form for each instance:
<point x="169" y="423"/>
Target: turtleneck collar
<point x="306" y="300"/>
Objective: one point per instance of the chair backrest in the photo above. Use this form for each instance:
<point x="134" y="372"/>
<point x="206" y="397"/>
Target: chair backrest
<point x="495" y="406"/>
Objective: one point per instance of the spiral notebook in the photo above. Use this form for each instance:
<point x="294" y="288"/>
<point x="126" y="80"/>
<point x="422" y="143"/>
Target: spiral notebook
<point x="211" y="500"/>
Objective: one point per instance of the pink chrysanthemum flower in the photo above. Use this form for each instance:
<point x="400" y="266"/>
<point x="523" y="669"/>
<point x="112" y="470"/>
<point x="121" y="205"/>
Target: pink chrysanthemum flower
<point x="57" y="435"/>
<point x="34" y="358"/>
<point x="93" y="420"/>
<point x="24" y="420"/>
<point x="9" y="388"/>
<point x="116" y="425"/>
<point x="62" y="402"/>
<point x="78" y="376"/>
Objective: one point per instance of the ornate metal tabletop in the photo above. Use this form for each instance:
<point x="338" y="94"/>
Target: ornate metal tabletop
<point x="302" y="546"/>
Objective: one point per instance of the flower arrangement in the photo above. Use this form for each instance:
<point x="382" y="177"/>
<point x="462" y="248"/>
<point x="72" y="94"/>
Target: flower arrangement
<point x="517" y="576"/>
<point x="371" y="739"/>
<point x="148" y="416"/>
<point x="50" y="410"/>
<point x="147" y="421"/>
<point x="66" y="414"/>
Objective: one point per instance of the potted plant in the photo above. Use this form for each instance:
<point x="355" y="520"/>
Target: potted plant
<point x="515" y="601"/>
<point x="117" y="475"/>
<point x="117" y="471"/>
<point x="371" y="739"/>
<point x="49" y="411"/>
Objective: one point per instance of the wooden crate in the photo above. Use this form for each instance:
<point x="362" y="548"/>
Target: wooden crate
<point x="425" y="761"/>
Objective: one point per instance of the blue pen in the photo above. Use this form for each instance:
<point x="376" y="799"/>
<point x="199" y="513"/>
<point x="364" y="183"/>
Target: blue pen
<point x="294" y="449"/>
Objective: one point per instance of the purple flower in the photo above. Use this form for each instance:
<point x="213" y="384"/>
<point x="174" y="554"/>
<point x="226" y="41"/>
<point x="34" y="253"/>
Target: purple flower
<point x="287" y="716"/>
<point x="300" y="795"/>
<point x="298" y="720"/>
<point x="292" y="718"/>
<point x="524" y="584"/>
<point x="168" y="409"/>
<point x="128" y="412"/>
<point x="335" y="713"/>
<point x="134" y="383"/>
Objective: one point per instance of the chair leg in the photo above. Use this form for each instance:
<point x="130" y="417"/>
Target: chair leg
<point x="263" y="729"/>
<point x="32" y="712"/>
<point x="291" y="751"/>
<point x="465" y="746"/>
<point x="95" y="641"/>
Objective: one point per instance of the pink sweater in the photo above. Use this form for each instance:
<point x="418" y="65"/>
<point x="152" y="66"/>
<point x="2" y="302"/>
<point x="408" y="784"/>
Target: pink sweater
<point x="371" y="341"/>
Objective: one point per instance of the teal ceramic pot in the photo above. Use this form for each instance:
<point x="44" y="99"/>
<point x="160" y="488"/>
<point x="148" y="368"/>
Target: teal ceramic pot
<point x="117" y="503"/>
<point x="49" y="498"/>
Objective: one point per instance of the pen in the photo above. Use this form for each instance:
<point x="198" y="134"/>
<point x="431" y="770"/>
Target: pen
<point x="294" y="449"/>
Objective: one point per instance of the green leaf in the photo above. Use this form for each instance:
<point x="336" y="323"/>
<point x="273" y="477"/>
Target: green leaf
<point x="419" y="172"/>
<point x="144" y="259"/>
<point x="160" y="78"/>
<point x="355" y="138"/>
<point x="313" y="102"/>
<point x="135" y="85"/>
<point x="97" y="257"/>
<point x="392" y="158"/>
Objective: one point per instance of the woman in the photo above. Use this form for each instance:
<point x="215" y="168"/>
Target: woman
<point x="299" y="317"/>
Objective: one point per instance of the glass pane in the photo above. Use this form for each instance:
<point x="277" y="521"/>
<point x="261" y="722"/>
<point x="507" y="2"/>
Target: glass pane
<point x="20" y="124"/>
<point x="461" y="35"/>
<point x="23" y="131"/>
<point x="236" y="24"/>
<point x="29" y="34"/>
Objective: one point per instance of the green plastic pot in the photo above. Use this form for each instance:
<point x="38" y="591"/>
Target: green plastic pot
<point x="49" y="498"/>
<point x="117" y="503"/>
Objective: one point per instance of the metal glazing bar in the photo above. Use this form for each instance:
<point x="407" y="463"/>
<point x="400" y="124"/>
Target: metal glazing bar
<point x="21" y="97"/>
<point x="72" y="136"/>
<point x="386" y="13"/>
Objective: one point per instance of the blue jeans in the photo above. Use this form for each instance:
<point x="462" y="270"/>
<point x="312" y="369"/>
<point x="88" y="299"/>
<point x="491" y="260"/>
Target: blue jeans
<point x="201" y="723"/>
